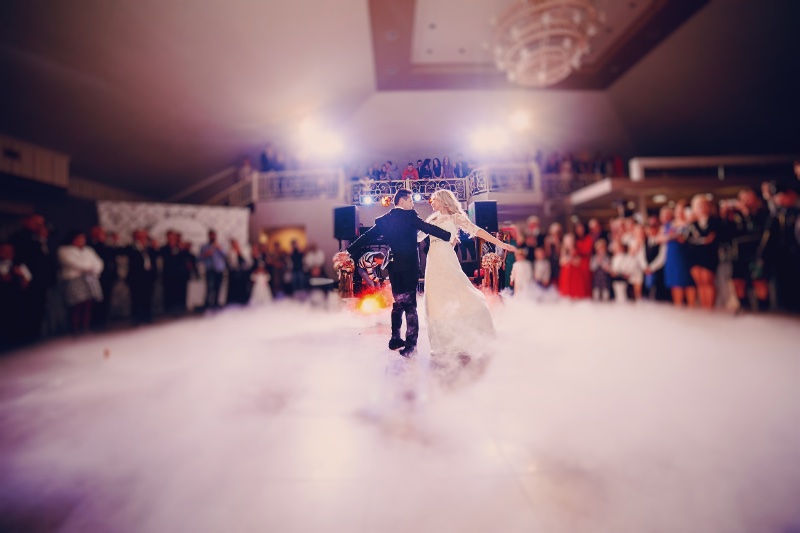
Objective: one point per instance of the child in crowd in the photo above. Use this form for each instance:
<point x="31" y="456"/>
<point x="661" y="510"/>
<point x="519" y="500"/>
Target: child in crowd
<point x="600" y="266"/>
<point x="521" y="273"/>
<point x="261" y="293"/>
<point x="541" y="268"/>
<point x="627" y="270"/>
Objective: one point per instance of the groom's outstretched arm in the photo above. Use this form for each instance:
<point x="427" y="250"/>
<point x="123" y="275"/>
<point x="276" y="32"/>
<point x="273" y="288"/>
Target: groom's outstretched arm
<point x="367" y="238"/>
<point x="430" y="229"/>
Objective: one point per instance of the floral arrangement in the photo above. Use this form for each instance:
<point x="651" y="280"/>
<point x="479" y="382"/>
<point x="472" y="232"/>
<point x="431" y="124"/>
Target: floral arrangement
<point x="491" y="261"/>
<point x="346" y="266"/>
<point x="491" y="264"/>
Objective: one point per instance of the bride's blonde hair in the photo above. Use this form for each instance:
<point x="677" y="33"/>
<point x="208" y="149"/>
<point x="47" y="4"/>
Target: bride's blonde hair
<point x="447" y="199"/>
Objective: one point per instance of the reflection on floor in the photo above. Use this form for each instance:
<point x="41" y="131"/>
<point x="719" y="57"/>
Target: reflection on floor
<point x="589" y="418"/>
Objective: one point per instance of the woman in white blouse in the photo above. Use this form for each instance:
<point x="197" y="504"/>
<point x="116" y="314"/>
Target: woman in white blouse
<point x="80" y="271"/>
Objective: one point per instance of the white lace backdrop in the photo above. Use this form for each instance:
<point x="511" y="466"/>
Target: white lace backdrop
<point x="192" y="221"/>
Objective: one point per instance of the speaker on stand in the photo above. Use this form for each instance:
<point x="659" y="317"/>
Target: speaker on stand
<point x="345" y="224"/>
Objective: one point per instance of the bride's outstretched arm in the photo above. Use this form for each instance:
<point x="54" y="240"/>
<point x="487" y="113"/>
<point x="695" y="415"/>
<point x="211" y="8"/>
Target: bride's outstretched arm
<point x="486" y="236"/>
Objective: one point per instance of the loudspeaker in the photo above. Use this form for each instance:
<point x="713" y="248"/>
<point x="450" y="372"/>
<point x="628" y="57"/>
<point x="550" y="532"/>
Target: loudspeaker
<point x="484" y="215"/>
<point x="345" y="223"/>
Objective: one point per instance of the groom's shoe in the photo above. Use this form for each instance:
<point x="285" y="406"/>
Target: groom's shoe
<point x="396" y="343"/>
<point x="409" y="350"/>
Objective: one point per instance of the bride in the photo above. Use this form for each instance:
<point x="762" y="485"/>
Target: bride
<point x="458" y="317"/>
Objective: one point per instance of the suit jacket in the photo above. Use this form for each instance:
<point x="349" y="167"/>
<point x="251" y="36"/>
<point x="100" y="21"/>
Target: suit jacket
<point x="399" y="229"/>
<point x="137" y="273"/>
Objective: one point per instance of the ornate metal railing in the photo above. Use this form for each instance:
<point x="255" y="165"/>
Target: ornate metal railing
<point x="373" y="191"/>
<point x="329" y="184"/>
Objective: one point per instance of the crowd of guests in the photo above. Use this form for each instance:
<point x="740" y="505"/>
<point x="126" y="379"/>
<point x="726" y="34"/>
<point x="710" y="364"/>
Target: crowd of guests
<point x="89" y="279"/>
<point x="673" y="255"/>
<point x="556" y="163"/>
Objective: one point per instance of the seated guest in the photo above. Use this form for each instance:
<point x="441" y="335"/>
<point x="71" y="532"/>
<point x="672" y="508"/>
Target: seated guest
<point x="367" y="268"/>
<point x="80" y="269"/>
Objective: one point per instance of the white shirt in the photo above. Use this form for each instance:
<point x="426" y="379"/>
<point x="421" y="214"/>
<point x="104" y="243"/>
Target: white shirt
<point x="627" y="265"/>
<point x="77" y="262"/>
<point x="541" y="271"/>
<point x="521" y="274"/>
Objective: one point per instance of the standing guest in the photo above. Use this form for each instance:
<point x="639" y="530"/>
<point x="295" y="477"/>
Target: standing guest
<point x="176" y="270"/>
<point x="541" y="268"/>
<point x="436" y="168"/>
<point x="600" y="267"/>
<point x="568" y="279"/>
<point x="626" y="271"/>
<point x="213" y="259"/>
<point x="30" y="249"/>
<point x="521" y="274"/>
<point x="677" y="277"/>
<point x="368" y="266"/>
<point x="747" y="223"/>
<point x="314" y="261"/>
<point x="296" y="257"/>
<point x="410" y="173"/>
<point x="461" y="168"/>
<point x="97" y="241"/>
<point x="596" y="231"/>
<point x="652" y="256"/>
<point x="530" y="247"/>
<point x="393" y="170"/>
<point x="534" y="230"/>
<point x="783" y="246"/>
<point x="246" y="171"/>
<point x="141" y="277"/>
<point x="14" y="281"/>
<point x="418" y="168"/>
<point x="447" y="168"/>
<point x="425" y="171"/>
<point x="704" y="250"/>
<point x="510" y="234"/>
<point x="584" y="245"/>
<point x="276" y="267"/>
<point x="268" y="159"/>
<point x="261" y="293"/>
<point x="239" y="265"/>
<point x="552" y="246"/>
<point x="80" y="270"/>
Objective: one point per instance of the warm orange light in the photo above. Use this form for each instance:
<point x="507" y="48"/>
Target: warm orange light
<point x="386" y="201"/>
<point x="372" y="303"/>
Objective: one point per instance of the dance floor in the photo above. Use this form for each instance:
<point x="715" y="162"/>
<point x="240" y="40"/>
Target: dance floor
<point x="609" y="418"/>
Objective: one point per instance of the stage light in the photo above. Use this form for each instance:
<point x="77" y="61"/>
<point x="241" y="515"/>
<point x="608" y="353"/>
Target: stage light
<point x="417" y="197"/>
<point x="317" y="141"/>
<point x="491" y="139"/>
<point x="366" y="200"/>
<point x="520" y="120"/>
<point x="386" y="201"/>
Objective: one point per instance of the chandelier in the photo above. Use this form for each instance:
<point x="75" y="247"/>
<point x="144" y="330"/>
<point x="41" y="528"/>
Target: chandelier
<point x="538" y="43"/>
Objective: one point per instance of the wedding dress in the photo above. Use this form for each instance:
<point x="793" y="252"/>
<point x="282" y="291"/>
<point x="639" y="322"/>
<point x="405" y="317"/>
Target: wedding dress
<point x="458" y="317"/>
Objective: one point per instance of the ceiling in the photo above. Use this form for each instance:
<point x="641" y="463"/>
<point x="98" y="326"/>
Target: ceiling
<point x="155" y="95"/>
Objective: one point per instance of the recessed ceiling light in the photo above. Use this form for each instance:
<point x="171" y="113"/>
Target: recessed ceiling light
<point x="432" y="25"/>
<point x="462" y="51"/>
<point x="429" y="51"/>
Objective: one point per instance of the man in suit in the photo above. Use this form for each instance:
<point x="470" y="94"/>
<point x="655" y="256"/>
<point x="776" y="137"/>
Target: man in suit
<point x="101" y="309"/>
<point x="399" y="229"/>
<point x="31" y="248"/>
<point x="142" y="271"/>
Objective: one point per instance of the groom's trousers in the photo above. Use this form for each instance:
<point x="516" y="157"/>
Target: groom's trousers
<point x="404" y="291"/>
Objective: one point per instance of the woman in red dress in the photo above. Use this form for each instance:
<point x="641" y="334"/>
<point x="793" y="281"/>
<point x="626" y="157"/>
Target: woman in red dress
<point x="584" y="245"/>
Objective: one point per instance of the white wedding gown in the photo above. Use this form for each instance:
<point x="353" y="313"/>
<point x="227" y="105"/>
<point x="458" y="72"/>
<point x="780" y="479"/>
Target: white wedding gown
<point x="458" y="317"/>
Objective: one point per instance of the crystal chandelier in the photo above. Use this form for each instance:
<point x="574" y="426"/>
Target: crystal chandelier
<point x="538" y="43"/>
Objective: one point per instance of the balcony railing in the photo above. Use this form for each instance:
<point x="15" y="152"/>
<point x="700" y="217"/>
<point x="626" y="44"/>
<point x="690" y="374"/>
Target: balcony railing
<point x="329" y="184"/>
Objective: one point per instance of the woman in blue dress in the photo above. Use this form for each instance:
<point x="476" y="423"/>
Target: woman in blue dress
<point x="677" y="276"/>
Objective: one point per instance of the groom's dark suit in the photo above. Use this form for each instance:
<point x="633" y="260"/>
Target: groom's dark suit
<point x="399" y="229"/>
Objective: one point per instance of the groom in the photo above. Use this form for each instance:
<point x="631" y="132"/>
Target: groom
<point x="399" y="228"/>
